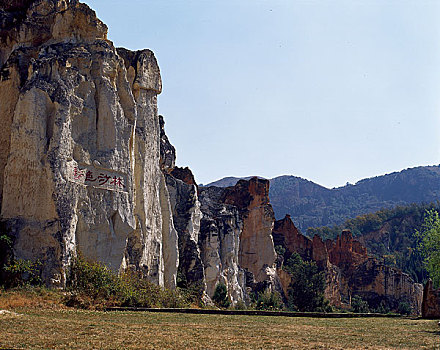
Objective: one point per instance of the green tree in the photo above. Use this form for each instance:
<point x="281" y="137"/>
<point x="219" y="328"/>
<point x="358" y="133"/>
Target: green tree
<point x="220" y="297"/>
<point x="359" y="305"/>
<point x="429" y="244"/>
<point x="306" y="292"/>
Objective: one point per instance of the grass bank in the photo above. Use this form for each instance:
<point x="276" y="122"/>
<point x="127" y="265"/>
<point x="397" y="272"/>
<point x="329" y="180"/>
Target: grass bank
<point x="32" y="327"/>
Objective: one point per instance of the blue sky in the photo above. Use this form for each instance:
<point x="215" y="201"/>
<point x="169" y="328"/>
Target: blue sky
<point x="332" y="91"/>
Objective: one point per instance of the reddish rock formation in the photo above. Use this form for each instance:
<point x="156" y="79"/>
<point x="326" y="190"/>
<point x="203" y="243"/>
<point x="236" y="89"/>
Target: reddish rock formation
<point x="184" y="174"/>
<point x="286" y="234"/>
<point x="349" y="269"/>
<point x="346" y="252"/>
<point x="431" y="301"/>
<point x="257" y="253"/>
<point x="319" y="252"/>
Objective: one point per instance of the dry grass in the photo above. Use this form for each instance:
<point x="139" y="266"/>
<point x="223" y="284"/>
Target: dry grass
<point x="32" y="297"/>
<point x="78" y="329"/>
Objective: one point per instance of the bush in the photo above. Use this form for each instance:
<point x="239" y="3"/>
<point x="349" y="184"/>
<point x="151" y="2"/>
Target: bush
<point x="240" y="305"/>
<point x="191" y="292"/>
<point x="404" y="308"/>
<point x="280" y="250"/>
<point x="268" y="300"/>
<point x="220" y="297"/>
<point x="94" y="285"/>
<point x="21" y="272"/>
<point x="383" y="308"/>
<point x="358" y="305"/>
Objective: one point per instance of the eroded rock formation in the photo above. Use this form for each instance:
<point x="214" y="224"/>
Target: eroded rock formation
<point x="80" y="149"/>
<point x="431" y="301"/>
<point x="86" y="166"/>
<point x="236" y="239"/>
<point x="349" y="269"/>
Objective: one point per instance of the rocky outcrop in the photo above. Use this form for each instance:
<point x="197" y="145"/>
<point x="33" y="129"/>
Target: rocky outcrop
<point x="256" y="253"/>
<point x="187" y="215"/>
<point x="349" y="269"/>
<point x="431" y="301"/>
<point x="86" y="166"/>
<point x="346" y="252"/>
<point x="80" y="149"/>
<point x="235" y="240"/>
<point x="287" y="235"/>
<point x="221" y="226"/>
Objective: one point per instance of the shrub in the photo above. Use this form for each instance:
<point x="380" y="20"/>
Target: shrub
<point x="383" y="308"/>
<point x="21" y="272"/>
<point x="240" y="305"/>
<point x="220" y="297"/>
<point x="404" y="308"/>
<point x="280" y="250"/>
<point x="93" y="279"/>
<point x="94" y="285"/>
<point x="191" y="292"/>
<point x="268" y="300"/>
<point x="359" y="305"/>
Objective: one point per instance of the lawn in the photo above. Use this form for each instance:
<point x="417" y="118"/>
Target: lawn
<point x="62" y="328"/>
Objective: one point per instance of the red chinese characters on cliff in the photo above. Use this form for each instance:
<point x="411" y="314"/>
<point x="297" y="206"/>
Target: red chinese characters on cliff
<point x="98" y="178"/>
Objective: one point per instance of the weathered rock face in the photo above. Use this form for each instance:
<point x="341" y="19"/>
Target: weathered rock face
<point x="349" y="269"/>
<point x="80" y="149"/>
<point x="86" y="166"/>
<point x="187" y="215"/>
<point x="431" y="301"/>
<point x="220" y="242"/>
<point x="256" y="252"/>
<point x="345" y="252"/>
<point x="235" y="240"/>
<point x="287" y="235"/>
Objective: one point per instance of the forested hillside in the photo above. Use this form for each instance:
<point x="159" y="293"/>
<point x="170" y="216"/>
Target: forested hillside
<point x="312" y="205"/>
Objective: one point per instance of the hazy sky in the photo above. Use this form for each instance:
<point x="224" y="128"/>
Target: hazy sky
<point x="332" y="91"/>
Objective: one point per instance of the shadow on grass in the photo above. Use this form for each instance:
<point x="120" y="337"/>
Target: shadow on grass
<point x="433" y="332"/>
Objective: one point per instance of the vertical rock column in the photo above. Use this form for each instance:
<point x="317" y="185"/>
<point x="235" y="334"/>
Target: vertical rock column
<point x="219" y="242"/>
<point x="257" y="252"/>
<point x="152" y="247"/>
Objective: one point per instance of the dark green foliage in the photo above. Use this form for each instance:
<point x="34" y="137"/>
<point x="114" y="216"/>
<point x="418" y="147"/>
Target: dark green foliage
<point x="6" y="240"/>
<point x="280" y="250"/>
<point x="19" y="272"/>
<point x="268" y="300"/>
<point x="306" y="292"/>
<point x="220" y="297"/>
<point x="94" y="285"/>
<point x="383" y="308"/>
<point x="359" y="305"/>
<point x="6" y="256"/>
<point x="404" y="308"/>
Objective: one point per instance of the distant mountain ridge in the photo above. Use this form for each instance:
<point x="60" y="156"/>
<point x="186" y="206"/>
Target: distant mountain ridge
<point x="312" y="205"/>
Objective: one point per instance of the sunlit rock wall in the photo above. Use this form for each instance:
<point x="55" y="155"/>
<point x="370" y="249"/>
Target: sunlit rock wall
<point x="79" y="163"/>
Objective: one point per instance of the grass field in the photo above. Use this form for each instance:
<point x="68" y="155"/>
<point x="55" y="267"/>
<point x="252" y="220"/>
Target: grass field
<point x="37" y="319"/>
<point x="36" y="328"/>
